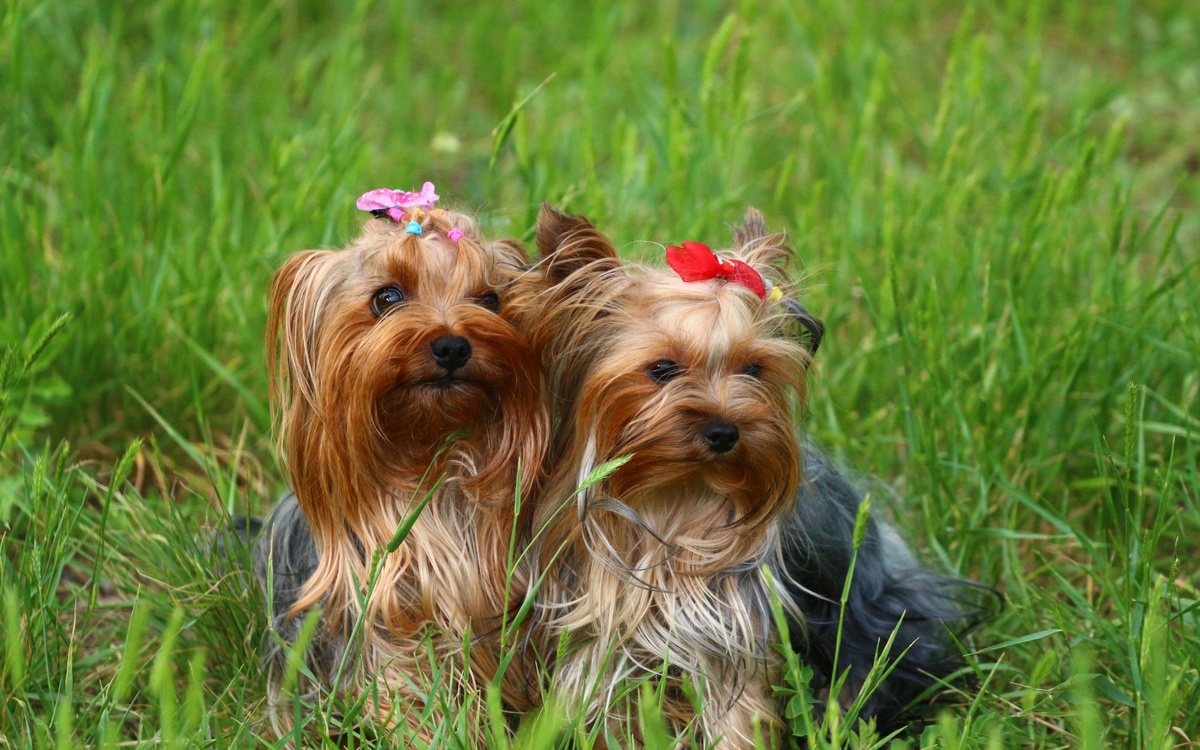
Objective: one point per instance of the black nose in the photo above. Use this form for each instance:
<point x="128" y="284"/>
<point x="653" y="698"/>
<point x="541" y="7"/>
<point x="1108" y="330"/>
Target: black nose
<point x="451" y="352"/>
<point x="721" y="436"/>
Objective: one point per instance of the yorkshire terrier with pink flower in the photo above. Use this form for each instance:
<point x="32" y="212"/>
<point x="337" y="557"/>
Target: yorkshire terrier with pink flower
<point x="410" y="414"/>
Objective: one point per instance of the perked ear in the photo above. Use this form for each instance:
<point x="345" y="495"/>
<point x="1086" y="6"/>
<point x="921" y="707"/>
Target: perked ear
<point x="754" y="227"/>
<point x="760" y="247"/>
<point x="568" y="243"/>
<point x="754" y="244"/>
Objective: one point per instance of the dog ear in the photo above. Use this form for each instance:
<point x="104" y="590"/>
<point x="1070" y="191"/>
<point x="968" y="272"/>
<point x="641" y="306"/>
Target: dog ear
<point x="568" y="243"/>
<point x="754" y="227"/>
<point x="756" y="245"/>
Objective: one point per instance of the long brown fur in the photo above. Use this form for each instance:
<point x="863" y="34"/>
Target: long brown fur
<point x="657" y="569"/>
<point x="365" y="433"/>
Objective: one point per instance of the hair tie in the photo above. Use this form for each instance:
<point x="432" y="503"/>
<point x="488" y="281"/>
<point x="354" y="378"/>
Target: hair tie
<point x="455" y="235"/>
<point x="413" y="227"/>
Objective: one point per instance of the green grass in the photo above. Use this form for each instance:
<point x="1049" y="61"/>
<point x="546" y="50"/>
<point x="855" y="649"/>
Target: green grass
<point x="995" y="204"/>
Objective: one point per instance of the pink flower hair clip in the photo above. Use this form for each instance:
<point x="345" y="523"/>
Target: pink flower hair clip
<point x="393" y="204"/>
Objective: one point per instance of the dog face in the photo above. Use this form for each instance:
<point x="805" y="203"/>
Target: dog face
<point x="695" y="384"/>
<point x="389" y="347"/>
<point x="699" y="381"/>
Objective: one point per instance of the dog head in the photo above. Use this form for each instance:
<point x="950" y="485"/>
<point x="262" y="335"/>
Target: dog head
<point x="699" y="380"/>
<point x="395" y="357"/>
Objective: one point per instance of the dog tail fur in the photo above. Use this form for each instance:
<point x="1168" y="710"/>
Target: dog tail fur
<point x="890" y="592"/>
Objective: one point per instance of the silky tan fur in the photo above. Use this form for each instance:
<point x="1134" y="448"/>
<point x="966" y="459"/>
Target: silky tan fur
<point x="365" y="433"/>
<point x="657" y="569"/>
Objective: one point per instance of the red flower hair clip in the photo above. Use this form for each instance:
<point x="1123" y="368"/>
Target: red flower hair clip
<point x="696" y="262"/>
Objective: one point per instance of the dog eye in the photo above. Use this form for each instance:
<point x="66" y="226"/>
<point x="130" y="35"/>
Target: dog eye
<point x="664" y="370"/>
<point x="385" y="298"/>
<point x="754" y="371"/>
<point x="490" y="301"/>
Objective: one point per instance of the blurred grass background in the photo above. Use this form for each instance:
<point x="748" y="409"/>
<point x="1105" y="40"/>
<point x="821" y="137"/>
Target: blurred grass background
<point x="995" y="205"/>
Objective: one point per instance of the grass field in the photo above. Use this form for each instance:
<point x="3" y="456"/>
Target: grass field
<point x="995" y="204"/>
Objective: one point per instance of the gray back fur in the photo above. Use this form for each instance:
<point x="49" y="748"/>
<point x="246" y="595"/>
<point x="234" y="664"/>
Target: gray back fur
<point x="889" y="588"/>
<point x="285" y="556"/>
